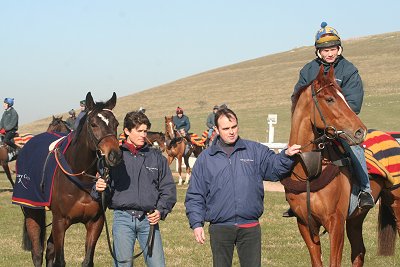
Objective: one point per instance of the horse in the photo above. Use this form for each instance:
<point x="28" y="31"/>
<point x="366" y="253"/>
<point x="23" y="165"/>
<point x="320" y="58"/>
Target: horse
<point x="177" y="150"/>
<point x="320" y="185"/>
<point x="93" y="144"/>
<point x="20" y="140"/>
<point x="58" y="125"/>
<point x="156" y="137"/>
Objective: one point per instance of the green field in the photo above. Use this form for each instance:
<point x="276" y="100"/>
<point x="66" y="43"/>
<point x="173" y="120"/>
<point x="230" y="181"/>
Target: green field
<point x="282" y="244"/>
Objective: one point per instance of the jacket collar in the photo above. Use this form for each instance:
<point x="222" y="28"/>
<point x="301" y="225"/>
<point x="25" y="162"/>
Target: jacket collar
<point x="215" y="148"/>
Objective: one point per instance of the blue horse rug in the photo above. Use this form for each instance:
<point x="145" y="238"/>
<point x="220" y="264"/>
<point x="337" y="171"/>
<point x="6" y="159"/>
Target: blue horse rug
<point x="35" y="168"/>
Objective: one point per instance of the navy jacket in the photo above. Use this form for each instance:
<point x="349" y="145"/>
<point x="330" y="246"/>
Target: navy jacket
<point x="346" y="76"/>
<point x="181" y="123"/>
<point x="142" y="182"/>
<point x="229" y="190"/>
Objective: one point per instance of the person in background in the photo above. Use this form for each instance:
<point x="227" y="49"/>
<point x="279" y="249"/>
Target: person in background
<point x="71" y="119"/>
<point x="226" y="189"/>
<point x="82" y="104"/>
<point x="142" y="191"/>
<point x="210" y="123"/>
<point x="182" y="124"/>
<point x="328" y="51"/>
<point x="142" y="109"/>
<point x="9" y="127"/>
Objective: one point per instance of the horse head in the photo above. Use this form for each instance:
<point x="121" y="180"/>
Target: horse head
<point x="101" y="128"/>
<point x="58" y="125"/>
<point x="169" y="128"/>
<point x="322" y="103"/>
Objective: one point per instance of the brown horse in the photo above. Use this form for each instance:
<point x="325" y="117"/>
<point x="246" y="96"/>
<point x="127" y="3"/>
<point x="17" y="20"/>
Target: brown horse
<point x="177" y="149"/>
<point x="58" y="125"/>
<point x="94" y="140"/>
<point x="321" y="108"/>
<point x="156" y="137"/>
<point x="322" y="197"/>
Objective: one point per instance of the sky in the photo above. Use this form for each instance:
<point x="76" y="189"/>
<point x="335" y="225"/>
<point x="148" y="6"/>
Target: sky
<point x="53" y="52"/>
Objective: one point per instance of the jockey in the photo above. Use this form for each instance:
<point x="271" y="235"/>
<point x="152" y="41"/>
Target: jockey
<point x="71" y="119"/>
<point x="182" y="124"/>
<point x="9" y="127"/>
<point x="328" y="49"/>
<point x="210" y="123"/>
<point x="82" y="104"/>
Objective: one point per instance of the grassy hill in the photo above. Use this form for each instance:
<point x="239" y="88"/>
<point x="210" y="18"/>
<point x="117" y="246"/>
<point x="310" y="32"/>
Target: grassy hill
<point x="263" y="85"/>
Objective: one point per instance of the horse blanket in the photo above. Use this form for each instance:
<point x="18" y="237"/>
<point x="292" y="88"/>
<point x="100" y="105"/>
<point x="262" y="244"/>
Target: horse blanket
<point x="35" y="168"/>
<point x="382" y="153"/>
<point x="22" y="139"/>
<point x="199" y="141"/>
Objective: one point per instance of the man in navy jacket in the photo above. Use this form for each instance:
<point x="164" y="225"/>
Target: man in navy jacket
<point x="226" y="189"/>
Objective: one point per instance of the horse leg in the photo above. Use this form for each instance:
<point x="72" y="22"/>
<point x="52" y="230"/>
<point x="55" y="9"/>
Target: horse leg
<point x="58" y="233"/>
<point x="180" y="170"/>
<point x="336" y="237"/>
<point x="388" y="222"/>
<point x="8" y="173"/>
<point x="354" y="234"/>
<point x="313" y="244"/>
<point x="34" y="229"/>
<point x="188" y="169"/>
<point x="50" y="251"/>
<point x="93" y="231"/>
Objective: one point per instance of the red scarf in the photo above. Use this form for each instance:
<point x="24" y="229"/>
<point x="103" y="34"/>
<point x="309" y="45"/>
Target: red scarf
<point x="132" y="148"/>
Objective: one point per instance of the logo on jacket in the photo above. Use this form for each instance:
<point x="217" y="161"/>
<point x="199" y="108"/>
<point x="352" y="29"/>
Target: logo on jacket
<point x="151" y="169"/>
<point x="247" y="160"/>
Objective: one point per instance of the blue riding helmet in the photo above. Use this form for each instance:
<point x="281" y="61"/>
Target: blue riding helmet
<point x="9" y="101"/>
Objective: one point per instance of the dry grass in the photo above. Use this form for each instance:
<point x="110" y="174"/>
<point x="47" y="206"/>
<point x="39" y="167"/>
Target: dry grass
<point x="282" y="244"/>
<point x="260" y="86"/>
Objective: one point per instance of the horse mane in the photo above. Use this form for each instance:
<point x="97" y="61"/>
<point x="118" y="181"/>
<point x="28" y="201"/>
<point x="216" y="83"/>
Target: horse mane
<point x="297" y="96"/>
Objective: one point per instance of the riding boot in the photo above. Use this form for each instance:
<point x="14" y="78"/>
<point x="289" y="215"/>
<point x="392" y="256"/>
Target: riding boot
<point x="189" y="141"/>
<point x="13" y="153"/>
<point x="365" y="200"/>
<point x="289" y="213"/>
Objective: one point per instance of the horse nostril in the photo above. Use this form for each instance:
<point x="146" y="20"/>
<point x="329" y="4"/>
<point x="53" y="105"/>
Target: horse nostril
<point x="359" y="134"/>
<point x="115" y="157"/>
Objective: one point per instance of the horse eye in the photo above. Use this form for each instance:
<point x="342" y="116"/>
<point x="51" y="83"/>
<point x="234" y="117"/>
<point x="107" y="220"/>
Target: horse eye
<point x="93" y="125"/>
<point x="330" y="99"/>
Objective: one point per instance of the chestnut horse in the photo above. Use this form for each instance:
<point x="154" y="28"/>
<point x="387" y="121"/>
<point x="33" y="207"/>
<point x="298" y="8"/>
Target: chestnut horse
<point x="95" y="140"/>
<point x="320" y="116"/>
<point x="177" y="150"/>
<point x="321" y="108"/>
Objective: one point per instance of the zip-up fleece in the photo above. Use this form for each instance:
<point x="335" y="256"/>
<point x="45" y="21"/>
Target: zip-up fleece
<point x="229" y="190"/>
<point x="143" y="182"/>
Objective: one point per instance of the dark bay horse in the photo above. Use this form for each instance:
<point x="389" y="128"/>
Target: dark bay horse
<point x="321" y="116"/>
<point x="95" y="140"/>
<point x="58" y="125"/>
<point x="177" y="150"/>
<point x="19" y="140"/>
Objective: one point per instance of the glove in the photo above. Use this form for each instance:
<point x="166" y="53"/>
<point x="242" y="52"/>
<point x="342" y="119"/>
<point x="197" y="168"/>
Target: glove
<point x="2" y="131"/>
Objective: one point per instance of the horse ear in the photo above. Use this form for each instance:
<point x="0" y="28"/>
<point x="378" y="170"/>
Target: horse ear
<point x="110" y="104"/>
<point x="89" y="101"/>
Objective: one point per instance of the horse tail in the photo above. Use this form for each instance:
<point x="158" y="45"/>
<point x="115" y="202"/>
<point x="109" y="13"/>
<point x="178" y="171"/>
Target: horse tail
<point x="386" y="226"/>
<point x="26" y="241"/>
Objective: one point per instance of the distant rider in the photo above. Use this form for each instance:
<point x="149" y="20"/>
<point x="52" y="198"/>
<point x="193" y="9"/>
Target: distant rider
<point x="210" y="123"/>
<point x="9" y="127"/>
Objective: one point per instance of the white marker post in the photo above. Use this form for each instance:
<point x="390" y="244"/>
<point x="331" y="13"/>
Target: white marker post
<point x="271" y="120"/>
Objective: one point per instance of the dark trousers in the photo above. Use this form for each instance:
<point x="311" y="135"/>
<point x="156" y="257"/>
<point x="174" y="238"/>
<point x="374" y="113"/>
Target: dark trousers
<point x="8" y="137"/>
<point x="223" y="239"/>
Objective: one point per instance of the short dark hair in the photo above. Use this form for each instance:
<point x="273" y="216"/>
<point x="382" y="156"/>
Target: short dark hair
<point x="225" y="112"/>
<point x="134" y="119"/>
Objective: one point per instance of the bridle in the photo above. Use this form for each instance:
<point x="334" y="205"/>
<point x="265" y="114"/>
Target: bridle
<point x="330" y="132"/>
<point x="100" y="156"/>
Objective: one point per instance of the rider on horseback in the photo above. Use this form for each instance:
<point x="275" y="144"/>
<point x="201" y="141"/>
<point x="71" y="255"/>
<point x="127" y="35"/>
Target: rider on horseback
<point x="182" y="125"/>
<point x="328" y="51"/>
<point x="9" y="127"/>
<point x="211" y="123"/>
